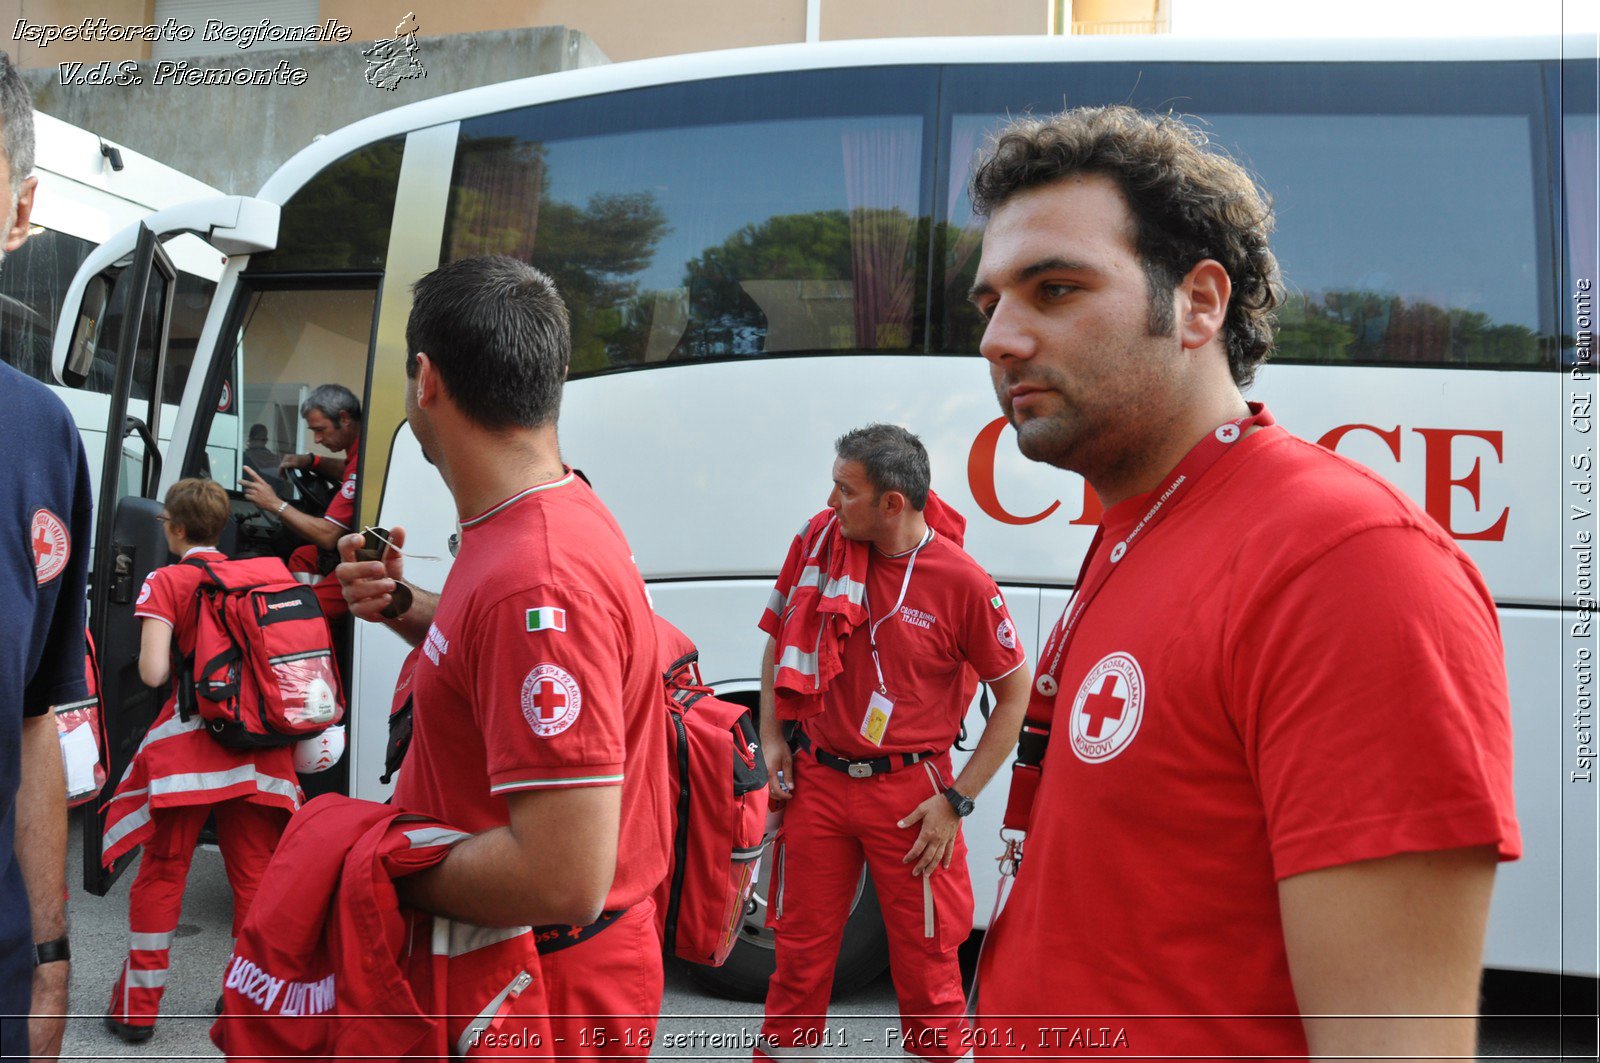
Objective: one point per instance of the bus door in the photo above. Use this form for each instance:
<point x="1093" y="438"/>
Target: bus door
<point x="120" y="337"/>
<point x="283" y="336"/>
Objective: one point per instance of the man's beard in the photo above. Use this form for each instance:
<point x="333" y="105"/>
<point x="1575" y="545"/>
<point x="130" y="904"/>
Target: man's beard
<point x="1050" y="438"/>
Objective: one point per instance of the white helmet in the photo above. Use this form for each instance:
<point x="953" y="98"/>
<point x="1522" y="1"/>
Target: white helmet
<point x="319" y="752"/>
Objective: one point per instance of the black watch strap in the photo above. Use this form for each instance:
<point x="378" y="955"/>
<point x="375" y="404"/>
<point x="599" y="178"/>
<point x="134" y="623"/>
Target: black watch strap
<point x="959" y="801"/>
<point x="57" y="951"/>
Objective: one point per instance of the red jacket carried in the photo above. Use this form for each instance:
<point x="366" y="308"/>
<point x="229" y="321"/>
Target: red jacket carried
<point x="328" y="963"/>
<point x="818" y="601"/>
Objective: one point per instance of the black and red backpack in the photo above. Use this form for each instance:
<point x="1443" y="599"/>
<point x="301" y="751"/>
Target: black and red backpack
<point x="719" y="788"/>
<point x="263" y="671"/>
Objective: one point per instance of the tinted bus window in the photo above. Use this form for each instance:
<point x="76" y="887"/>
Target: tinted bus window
<point x="784" y="214"/>
<point x="342" y="217"/>
<point x="189" y="305"/>
<point x="1580" y="175"/>
<point x="32" y="284"/>
<point x="1412" y="199"/>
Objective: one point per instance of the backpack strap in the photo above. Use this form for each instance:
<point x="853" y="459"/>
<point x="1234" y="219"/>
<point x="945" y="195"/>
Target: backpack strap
<point x="204" y="566"/>
<point x="983" y="711"/>
<point x="671" y="674"/>
<point x="228" y="656"/>
<point x="183" y="663"/>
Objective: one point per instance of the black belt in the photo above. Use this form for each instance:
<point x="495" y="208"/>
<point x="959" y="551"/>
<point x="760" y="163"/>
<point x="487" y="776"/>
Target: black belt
<point x="859" y="769"/>
<point x="553" y="937"/>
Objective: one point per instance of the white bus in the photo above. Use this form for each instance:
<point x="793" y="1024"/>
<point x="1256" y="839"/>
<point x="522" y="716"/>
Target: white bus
<point x="764" y="248"/>
<point x="88" y="190"/>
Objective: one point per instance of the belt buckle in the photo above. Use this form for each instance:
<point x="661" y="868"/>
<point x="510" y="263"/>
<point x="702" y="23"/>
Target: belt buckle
<point x="859" y="770"/>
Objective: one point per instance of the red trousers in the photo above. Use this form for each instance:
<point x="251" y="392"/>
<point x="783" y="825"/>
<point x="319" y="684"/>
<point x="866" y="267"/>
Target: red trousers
<point x="831" y="825"/>
<point x="303" y="564"/>
<point x="247" y="833"/>
<point x="604" y="994"/>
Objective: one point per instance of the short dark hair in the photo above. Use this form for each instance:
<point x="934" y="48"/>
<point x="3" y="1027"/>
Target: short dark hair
<point x="16" y="111"/>
<point x="200" y="507"/>
<point x="497" y="331"/>
<point x="257" y="431"/>
<point x="894" y="460"/>
<point x="332" y="400"/>
<point x="1189" y="202"/>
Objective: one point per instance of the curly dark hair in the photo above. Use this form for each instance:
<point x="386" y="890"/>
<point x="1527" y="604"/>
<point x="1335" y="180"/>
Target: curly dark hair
<point x="1189" y="201"/>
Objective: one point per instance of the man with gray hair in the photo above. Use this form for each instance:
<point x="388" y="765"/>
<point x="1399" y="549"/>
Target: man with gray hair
<point x="46" y="503"/>
<point x="333" y="416"/>
<point x="880" y="627"/>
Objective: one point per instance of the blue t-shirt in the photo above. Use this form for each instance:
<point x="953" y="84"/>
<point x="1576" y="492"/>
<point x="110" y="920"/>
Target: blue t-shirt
<point x="45" y="508"/>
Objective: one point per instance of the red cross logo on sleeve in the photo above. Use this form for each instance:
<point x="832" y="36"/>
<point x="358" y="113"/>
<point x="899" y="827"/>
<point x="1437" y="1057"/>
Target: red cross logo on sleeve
<point x="551" y="700"/>
<point x="52" y="546"/>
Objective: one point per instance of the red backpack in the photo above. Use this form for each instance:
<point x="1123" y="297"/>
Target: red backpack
<point x="719" y="779"/>
<point x="263" y="672"/>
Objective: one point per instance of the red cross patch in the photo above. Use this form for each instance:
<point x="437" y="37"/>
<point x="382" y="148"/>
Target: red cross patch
<point x="52" y="546"/>
<point x="551" y="700"/>
<point x="1108" y="708"/>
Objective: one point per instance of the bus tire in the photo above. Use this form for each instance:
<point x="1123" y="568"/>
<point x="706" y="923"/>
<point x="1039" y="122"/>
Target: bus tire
<point x="863" y="955"/>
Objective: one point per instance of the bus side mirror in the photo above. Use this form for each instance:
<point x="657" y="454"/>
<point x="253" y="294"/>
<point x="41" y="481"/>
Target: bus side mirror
<point x="86" y="333"/>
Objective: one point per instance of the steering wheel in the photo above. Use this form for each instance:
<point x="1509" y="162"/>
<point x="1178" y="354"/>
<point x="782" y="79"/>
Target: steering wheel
<point x="313" y="488"/>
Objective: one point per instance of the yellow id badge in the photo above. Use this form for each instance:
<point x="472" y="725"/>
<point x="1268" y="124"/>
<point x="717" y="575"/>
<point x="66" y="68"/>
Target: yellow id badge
<point x="879" y="709"/>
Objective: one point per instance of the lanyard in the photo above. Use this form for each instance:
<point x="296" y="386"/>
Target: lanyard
<point x="1194" y="465"/>
<point x="872" y="627"/>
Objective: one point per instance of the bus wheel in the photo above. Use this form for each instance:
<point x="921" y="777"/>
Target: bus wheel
<point x="863" y="955"/>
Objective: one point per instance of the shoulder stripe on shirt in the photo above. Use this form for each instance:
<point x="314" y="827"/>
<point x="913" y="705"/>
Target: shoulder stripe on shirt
<point x="1008" y="671"/>
<point x="579" y="780"/>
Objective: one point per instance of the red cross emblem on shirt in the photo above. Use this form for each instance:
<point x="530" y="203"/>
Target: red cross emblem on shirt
<point x="51" y="545"/>
<point x="1103" y="705"/>
<point x="550" y="700"/>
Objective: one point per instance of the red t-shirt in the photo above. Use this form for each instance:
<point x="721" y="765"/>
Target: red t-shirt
<point x="342" y="510"/>
<point x="168" y="595"/>
<point x="177" y="762"/>
<point x="952" y="628"/>
<point x="1295" y="669"/>
<point x="540" y="672"/>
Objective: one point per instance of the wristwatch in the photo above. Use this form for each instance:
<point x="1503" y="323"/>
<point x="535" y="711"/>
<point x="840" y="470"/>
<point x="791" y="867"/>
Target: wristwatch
<point x="51" y="952"/>
<point x="959" y="801"/>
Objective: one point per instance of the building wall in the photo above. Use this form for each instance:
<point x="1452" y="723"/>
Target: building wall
<point x="234" y="136"/>
<point x="622" y="29"/>
<point x="931" y="18"/>
<point x="70" y="13"/>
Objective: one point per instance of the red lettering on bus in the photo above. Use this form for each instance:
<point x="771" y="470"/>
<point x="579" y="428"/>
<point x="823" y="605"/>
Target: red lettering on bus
<point x="1392" y="437"/>
<point x="1437" y="482"/>
<point x="980" y="477"/>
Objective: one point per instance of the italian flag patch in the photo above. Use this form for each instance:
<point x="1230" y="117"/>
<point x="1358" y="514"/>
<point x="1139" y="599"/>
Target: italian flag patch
<point x="996" y="602"/>
<point x="547" y="618"/>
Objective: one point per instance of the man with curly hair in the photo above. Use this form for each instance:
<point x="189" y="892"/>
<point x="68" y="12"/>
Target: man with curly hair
<point x="1271" y="729"/>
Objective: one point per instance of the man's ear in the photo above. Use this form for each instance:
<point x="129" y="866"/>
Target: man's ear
<point x="17" y="235"/>
<point x="1202" y="299"/>
<point x="427" y="381"/>
<point x="894" y="503"/>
